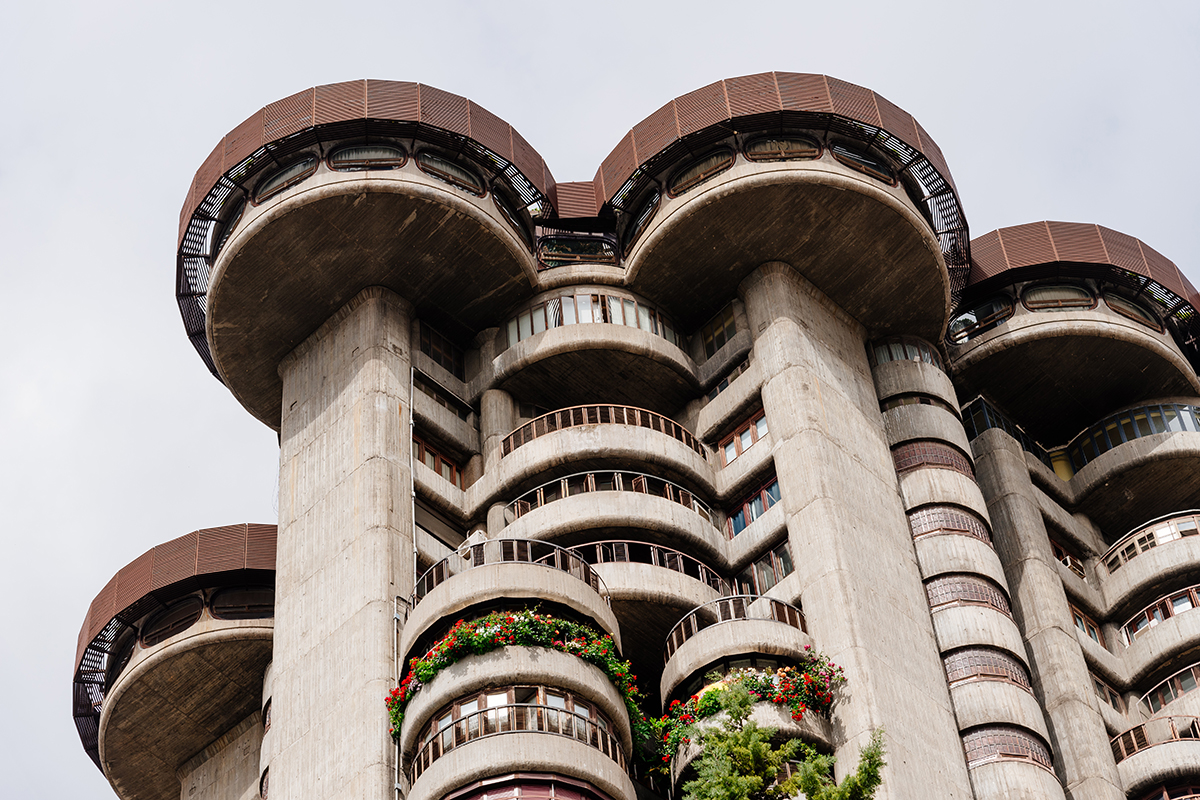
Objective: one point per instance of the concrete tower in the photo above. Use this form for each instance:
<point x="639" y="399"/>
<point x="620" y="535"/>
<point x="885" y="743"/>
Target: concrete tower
<point x="749" y="390"/>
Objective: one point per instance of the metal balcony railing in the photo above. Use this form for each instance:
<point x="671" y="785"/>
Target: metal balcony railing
<point x="598" y="415"/>
<point x="1129" y="425"/>
<point x="731" y="609"/>
<point x="1156" y="731"/>
<point x="618" y="552"/>
<point x="607" y="481"/>
<point x="1150" y="535"/>
<point x="501" y="551"/>
<point x="517" y="718"/>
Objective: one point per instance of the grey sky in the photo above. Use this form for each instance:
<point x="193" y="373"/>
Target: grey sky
<point x="115" y="437"/>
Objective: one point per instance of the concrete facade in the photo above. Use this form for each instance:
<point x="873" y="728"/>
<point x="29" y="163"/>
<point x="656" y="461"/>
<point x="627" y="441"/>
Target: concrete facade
<point x="619" y="401"/>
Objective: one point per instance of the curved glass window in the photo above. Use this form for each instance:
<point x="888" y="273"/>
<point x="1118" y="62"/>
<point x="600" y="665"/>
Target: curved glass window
<point x="1183" y="682"/>
<point x="1004" y="742"/>
<point x="449" y="172"/>
<point x="984" y="663"/>
<point x="865" y="163"/>
<point x="966" y="589"/>
<point x="562" y="251"/>
<point x="643" y="218"/>
<point x="510" y="213"/>
<point x="1129" y="425"/>
<point x="904" y="348"/>
<point x="700" y="170"/>
<point x="1132" y="309"/>
<point x="982" y="318"/>
<point x="584" y="308"/>
<point x="783" y="148"/>
<point x="359" y="157"/>
<point x="1057" y="297"/>
<point x="285" y="178"/>
<point x="177" y="617"/>
<point x="244" y="602"/>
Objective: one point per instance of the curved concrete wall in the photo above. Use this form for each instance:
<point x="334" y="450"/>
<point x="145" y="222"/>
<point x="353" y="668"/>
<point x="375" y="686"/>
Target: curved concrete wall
<point x="1014" y="780"/>
<point x="942" y="553"/>
<point x="1137" y="582"/>
<point x="1161" y="763"/>
<point x="647" y="583"/>
<point x="906" y="377"/>
<point x="907" y="423"/>
<point x="1154" y="649"/>
<point x="963" y="626"/>
<point x="930" y="486"/>
<point x="985" y="702"/>
<point x="729" y="639"/>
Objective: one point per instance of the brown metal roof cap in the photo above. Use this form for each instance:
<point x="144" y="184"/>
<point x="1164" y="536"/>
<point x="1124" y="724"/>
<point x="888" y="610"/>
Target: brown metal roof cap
<point x="202" y="552"/>
<point x="360" y="100"/>
<point x="1038" y="243"/>
<point x="749" y="95"/>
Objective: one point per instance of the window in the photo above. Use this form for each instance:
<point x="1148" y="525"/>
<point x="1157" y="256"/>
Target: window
<point x="985" y="663"/>
<point x="929" y="520"/>
<point x="904" y="348"/>
<point x="175" y="618"/>
<point x="1132" y="309"/>
<point x="1107" y="694"/>
<point x="783" y="148"/>
<point x="449" y="172"/>
<point x="443" y="352"/>
<point x="443" y="398"/>
<point x="1174" y="687"/>
<point x="724" y="667"/>
<point x="589" y="308"/>
<point x="741" y="439"/>
<point x="866" y="163"/>
<point x="916" y="399"/>
<point x="966" y="589"/>
<point x="1057" y="297"/>
<point x="1148" y="538"/>
<point x="915" y="455"/>
<point x="284" y="178"/>
<point x="717" y="331"/>
<point x="1086" y="624"/>
<point x="763" y="574"/>
<point x="1171" y="605"/>
<point x="1000" y="742"/>
<point x="644" y="215"/>
<point x="361" y="157"/>
<point x="244" y="602"/>
<point x="723" y="384"/>
<point x="1067" y="559"/>
<point x="1129" y="425"/>
<point x="699" y="171"/>
<point x="437" y="462"/>
<point x="562" y="251"/>
<point x="980" y="319"/>
<point x="754" y="507"/>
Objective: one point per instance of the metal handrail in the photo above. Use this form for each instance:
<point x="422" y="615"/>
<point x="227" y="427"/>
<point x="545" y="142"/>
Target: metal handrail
<point x="503" y="551"/>
<point x="598" y="415"/>
<point x="1160" y="730"/>
<point x="517" y="718"/>
<point x="1128" y="425"/>
<point x="606" y="481"/>
<point x="1120" y="554"/>
<point x="730" y="609"/>
<point x="1144" y="700"/>
<point x="624" y="551"/>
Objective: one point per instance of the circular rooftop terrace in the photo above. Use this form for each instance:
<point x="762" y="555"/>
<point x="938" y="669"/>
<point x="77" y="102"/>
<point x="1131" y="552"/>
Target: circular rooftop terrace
<point x="681" y="129"/>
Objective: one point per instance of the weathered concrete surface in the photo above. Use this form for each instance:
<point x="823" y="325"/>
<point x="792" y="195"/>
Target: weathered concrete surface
<point x="736" y="637"/>
<point x="913" y="377"/>
<point x="1014" y="780"/>
<point x="228" y="768"/>
<point x="345" y="551"/>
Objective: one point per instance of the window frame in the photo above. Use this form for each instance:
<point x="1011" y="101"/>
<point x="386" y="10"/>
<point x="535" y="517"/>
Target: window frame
<point x="723" y="324"/>
<point x="262" y="195"/>
<point x="751" y="426"/>
<point x="1093" y="301"/>
<point x="677" y="187"/>
<point x="1151" y="320"/>
<point x="447" y="177"/>
<point x="1086" y="625"/>
<point x="746" y="507"/>
<point x="782" y="155"/>
<point x="994" y="319"/>
<point x="441" y="350"/>
<point x="778" y="560"/>
<point x="421" y="449"/>
<point x="367" y="165"/>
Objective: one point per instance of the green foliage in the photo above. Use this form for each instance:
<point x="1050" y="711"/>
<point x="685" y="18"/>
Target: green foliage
<point x="739" y="762"/>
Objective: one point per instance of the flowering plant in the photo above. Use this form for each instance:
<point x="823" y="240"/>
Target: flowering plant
<point x="526" y="628"/>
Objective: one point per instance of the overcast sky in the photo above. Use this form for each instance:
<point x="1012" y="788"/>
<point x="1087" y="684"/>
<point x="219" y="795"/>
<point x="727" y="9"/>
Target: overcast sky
<point x="115" y="437"/>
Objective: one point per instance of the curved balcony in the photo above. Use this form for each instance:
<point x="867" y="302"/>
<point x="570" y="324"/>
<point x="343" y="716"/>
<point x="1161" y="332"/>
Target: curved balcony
<point x="860" y="176"/>
<point x="610" y="500"/>
<point x="732" y="626"/>
<point x="1148" y="537"/>
<point x="630" y="552"/>
<point x="1161" y="750"/>
<point x="509" y="570"/>
<point x="579" y="416"/>
<point x="629" y="348"/>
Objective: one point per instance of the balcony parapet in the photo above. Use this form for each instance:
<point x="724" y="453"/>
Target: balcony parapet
<point x="731" y="609"/>
<point x="1155" y="732"/>
<point x="1164" y="530"/>
<point x="630" y="552"/>
<point x="598" y="415"/>
<point x="499" y="551"/>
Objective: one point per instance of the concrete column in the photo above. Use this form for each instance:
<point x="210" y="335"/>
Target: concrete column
<point x="497" y="413"/>
<point x="860" y="585"/>
<point x="344" y="553"/>
<point x="1061" y="682"/>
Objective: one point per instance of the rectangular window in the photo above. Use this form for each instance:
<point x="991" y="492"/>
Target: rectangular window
<point x="753" y="507"/>
<point x="1068" y="560"/>
<point x="767" y="571"/>
<point x="717" y="331"/>
<point x="723" y="384"/>
<point x="443" y="351"/>
<point x="746" y="434"/>
<point x="437" y="462"/>
<point x="443" y="398"/>
<point x="1086" y="624"/>
<point x="1107" y="694"/>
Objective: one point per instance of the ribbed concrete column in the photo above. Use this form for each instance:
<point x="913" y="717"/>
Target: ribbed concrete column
<point x="344" y="553"/>
<point x="496" y="415"/>
<point x="1082" y="755"/>
<point x="860" y="586"/>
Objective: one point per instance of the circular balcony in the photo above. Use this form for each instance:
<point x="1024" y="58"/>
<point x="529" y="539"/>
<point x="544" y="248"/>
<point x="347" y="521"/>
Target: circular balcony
<point x="729" y="626"/>
<point x="586" y="503"/>
<point x="584" y="734"/>
<point x="511" y="570"/>
<point x="1055" y="306"/>
<point x="277" y="234"/>
<point x="625" y="349"/>
<point x="180" y="605"/>
<point x="600" y="438"/>
<point x="1162" y="750"/>
<point x="834" y="172"/>
<point x="1160" y="550"/>
<point x="1138" y="463"/>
